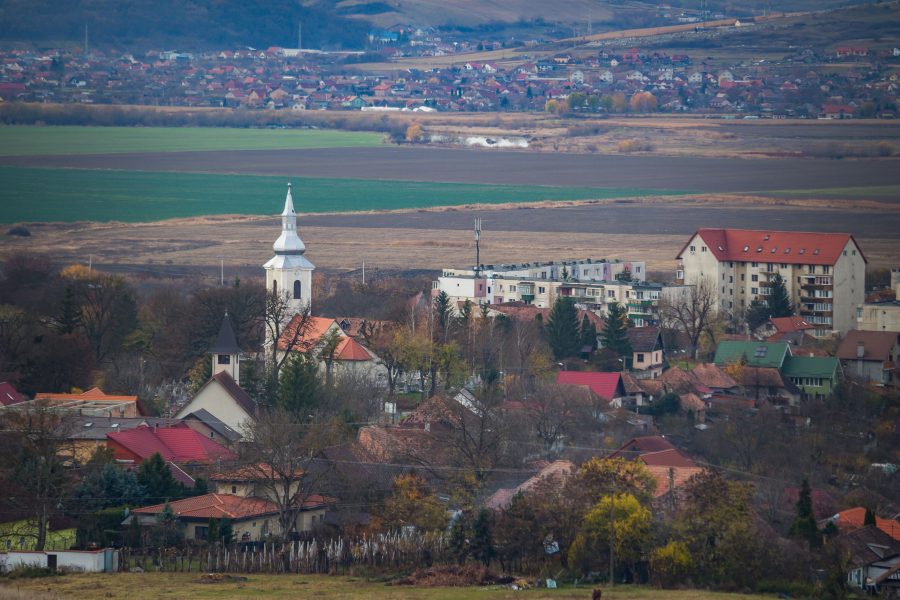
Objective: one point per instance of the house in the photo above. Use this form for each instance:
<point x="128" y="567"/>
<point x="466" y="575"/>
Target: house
<point x="823" y="273"/>
<point x="815" y="376"/>
<point x="86" y="433"/>
<point x="874" y="561"/>
<point x="647" y="348"/>
<point x="871" y="356"/>
<point x="670" y="467"/>
<point x="9" y="395"/>
<point x="607" y="386"/>
<point x="326" y="340"/>
<point x="178" y="444"/>
<point x="750" y="353"/>
<point x="252" y="519"/>
<point x="94" y="402"/>
<point x="208" y="425"/>
<point x="781" y="325"/>
<point x="557" y="472"/>
<point x="225" y="400"/>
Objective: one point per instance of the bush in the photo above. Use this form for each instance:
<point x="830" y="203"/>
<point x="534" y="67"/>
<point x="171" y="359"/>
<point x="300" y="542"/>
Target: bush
<point x="671" y="565"/>
<point x="634" y="146"/>
<point x="19" y="231"/>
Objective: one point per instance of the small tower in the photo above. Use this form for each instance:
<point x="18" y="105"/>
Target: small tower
<point x="289" y="272"/>
<point x="226" y="352"/>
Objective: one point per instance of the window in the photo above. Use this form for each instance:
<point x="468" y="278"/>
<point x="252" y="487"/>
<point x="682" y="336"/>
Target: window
<point x="640" y="357"/>
<point x="223" y="359"/>
<point x="826" y="269"/>
<point x="731" y="279"/>
<point x="754" y="290"/>
<point x="754" y="264"/>
<point x="234" y="489"/>
<point x="274" y="287"/>
<point x="702" y="248"/>
<point x="637" y="269"/>
<point x="211" y="435"/>
<point x="694" y="249"/>
<point x="542" y="290"/>
<point x="754" y="278"/>
<point x="743" y="277"/>
<point x="297" y="289"/>
<point x="512" y="288"/>
<point x="723" y="276"/>
<point x="610" y="293"/>
<point x="201" y="532"/>
<point x="770" y="267"/>
<point x="783" y="265"/>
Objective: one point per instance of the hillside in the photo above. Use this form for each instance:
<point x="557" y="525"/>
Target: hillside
<point x="327" y="24"/>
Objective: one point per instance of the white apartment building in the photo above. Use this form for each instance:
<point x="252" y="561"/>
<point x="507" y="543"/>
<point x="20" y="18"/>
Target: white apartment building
<point x="824" y="273"/>
<point x="881" y="316"/>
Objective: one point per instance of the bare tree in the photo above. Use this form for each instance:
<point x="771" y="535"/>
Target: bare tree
<point x="556" y="411"/>
<point x="284" y="459"/>
<point x="694" y="312"/>
<point x="286" y="332"/>
<point x="36" y="480"/>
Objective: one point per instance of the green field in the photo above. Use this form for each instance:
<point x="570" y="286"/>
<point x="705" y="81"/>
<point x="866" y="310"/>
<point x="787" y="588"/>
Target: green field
<point x="66" y="195"/>
<point x="37" y="141"/>
<point x="127" y="586"/>
<point x="22" y="535"/>
<point x="875" y="192"/>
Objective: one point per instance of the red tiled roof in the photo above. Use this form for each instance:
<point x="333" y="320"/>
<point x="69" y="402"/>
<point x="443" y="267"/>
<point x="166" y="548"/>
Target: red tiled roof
<point x="792" y="247"/>
<point x="350" y="349"/>
<point x="605" y="385"/>
<point x="790" y="324"/>
<point x="9" y="395"/>
<point x="215" y="506"/>
<point x="680" y="476"/>
<point x="94" y="393"/>
<point x="853" y="518"/>
<point x="315" y="328"/>
<point x="666" y="458"/>
<point x="178" y="443"/>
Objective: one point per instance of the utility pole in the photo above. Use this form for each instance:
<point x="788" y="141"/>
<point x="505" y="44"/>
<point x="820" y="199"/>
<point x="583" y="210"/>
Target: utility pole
<point x="86" y="47"/>
<point x="299" y="35"/>
<point x="364" y="273"/>
<point x="477" y="245"/>
<point x="222" y="273"/>
<point x="612" y="533"/>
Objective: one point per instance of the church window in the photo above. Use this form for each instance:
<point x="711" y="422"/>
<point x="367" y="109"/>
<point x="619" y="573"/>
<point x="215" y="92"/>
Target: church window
<point x="296" y="289"/>
<point x="224" y="359"/>
<point x="274" y="287"/>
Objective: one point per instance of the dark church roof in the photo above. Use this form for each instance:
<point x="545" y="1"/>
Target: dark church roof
<point x="226" y="343"/>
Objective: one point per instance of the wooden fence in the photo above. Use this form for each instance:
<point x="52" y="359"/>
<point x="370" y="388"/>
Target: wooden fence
<point x="339" y="555"/>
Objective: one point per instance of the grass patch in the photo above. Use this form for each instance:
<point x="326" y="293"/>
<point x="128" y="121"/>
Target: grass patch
<point x="128" y="586"/>
<point x="47" y="195"/>
<point x="854" y="193"/>
<point x="22" y="535"/>
<point x="22" y="140"/>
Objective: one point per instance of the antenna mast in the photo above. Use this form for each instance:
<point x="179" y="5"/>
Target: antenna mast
<point x="86" y="47"/>
<point x="300" y="35"/>
<point x="477" y="245"/>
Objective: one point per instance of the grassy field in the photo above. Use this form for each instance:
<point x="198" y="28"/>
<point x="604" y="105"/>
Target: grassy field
<point x="16" y="531"/>
<point x="873" y="192"/>
<point x="127" y="586"/>
<point x="66" y="195"/>
<point x="36" y="141"/>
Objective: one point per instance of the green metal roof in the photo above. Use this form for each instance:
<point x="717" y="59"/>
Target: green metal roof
<point x="825" y="367"/>
<point x="756" y="354"/>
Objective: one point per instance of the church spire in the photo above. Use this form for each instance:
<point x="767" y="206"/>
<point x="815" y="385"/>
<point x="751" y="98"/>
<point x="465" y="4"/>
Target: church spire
<point x="289" y="241"/>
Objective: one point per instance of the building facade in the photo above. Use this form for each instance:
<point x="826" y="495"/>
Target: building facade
<point x="289" y="272"/>
<point x="824" y="273"/>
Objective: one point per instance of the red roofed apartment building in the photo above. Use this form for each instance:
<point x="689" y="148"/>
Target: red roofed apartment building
<point x="824" y="273"/>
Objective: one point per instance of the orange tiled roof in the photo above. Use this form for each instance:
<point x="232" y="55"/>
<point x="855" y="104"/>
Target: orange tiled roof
<point x="792" y="247"/>
<point x="790" y="324"/>
<point x="94" y="393"/>
<point x="315" y="328"/>
<point x="853" y="518"/>
<point x="350" y="349"/>
<point x="215" y="506"/>
<point x="680" y="476"/>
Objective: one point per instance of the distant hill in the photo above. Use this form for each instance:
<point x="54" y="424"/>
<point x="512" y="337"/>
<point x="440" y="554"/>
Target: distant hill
<point x="327" y="24"/>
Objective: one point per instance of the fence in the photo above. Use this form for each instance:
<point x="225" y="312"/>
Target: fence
<point x="340" y="555"/>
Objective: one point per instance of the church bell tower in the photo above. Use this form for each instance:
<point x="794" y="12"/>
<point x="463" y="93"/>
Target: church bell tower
<point x="289" y="272"/>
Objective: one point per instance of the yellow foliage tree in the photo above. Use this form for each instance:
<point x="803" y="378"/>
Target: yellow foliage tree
<point x="671" y="565"/>
<point x="413" y="502"/>
<point x="620" y="522"/>
<point x="77" y="271"/>
<point x="414" y="133"/>
<point x="642" y="102"/>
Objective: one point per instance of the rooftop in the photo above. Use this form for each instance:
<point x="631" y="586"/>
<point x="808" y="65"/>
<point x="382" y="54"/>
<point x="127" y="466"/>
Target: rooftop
<point x="792" y="247"/>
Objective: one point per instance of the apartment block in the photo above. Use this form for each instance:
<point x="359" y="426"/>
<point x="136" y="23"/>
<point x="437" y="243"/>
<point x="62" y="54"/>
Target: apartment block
<point x="824" y="273"/>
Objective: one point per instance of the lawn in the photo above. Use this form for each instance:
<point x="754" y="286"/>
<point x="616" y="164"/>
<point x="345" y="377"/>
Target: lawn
<point x="127" y="586"/>
<point x="36" y="141"/>
<point x="22" y="535"/>
<point x="66" y="195"/>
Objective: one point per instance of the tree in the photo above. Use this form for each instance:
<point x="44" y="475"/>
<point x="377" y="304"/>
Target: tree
<point x="286" y="333"/>
<point x="298" y="389"/>
<point x="694" y="312"/>
<point x="642" y="102"/>
<point x="804" y="525"/>
<point x="869" y="517"/>
<point x="36" y="480"/>
<point x="482" y="545"/>
<point x="562" y="328"/>
<point x="757" y="314"/>
<point x="158" y="482"/>
<point x="459" y="538"/>
<point x="414" y="133"/>
<point x="282" y="458"/>
<point x="108" y="486"/>
<point x="588" y="333"/>
<point x="413" y="502"/>
<point x="778" y="300"/>
<point x="671" y="565"/>
<point x="555" y="411"/>
<point x="108" y="313"/>
<point x="615" y="332"/>
<point x="620" y="524"/>
<point x="443" y="311"/>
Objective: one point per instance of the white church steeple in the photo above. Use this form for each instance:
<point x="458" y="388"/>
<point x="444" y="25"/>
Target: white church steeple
<point x="289" y="272"/>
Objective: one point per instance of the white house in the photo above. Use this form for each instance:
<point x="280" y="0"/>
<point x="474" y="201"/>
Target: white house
<point x="105" y="560"/>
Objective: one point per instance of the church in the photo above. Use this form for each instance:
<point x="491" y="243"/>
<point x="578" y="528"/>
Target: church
<point x="221" y="402"/>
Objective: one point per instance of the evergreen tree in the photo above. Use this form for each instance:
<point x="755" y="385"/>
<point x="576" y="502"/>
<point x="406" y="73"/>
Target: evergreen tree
<point x="443" y="311"/>
<point x="157" y="480"/>
<point x="757" y="314"/>
<point x="562" y="329"/>
<point x="212" y="530"/>
<point x="226" y="531"/>
<point x="804" y="525"/>
<point x="779" y="301"/>
<point x="70" y="312"/>
<point x="482" y="538"/>
<point x="615" y="331"/>
<point x="298" y="388"/>
<point x="109" y="486"/>
<point x="588" y="333"/>
<point x="869" y="517"/>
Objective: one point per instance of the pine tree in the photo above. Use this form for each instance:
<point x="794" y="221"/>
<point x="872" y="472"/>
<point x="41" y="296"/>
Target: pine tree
<point x="298" y="387"/>
<point x="804" y="525"/>
<point x="70" y="312"/>
<point x="779" y="301"/>
<point x="226" y="531"/>
<point x="157" y="480"/>
<point x="588" y="333"/>
<point x="615" y="331"/>
<point x="443" y="311"/>
<point x="212" y="530"/>
<point x="757" y="314"/>
<point x="562" y="329"/>
<point x="482" y="538"/>
<point x="869" y="517"/>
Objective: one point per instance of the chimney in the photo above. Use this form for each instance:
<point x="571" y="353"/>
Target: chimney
<point x="860" y="350"/>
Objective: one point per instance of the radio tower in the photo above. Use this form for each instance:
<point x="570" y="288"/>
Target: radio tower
<point x="477" y="246"/>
